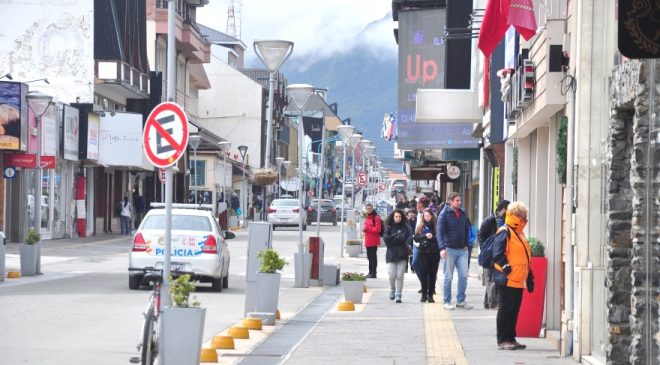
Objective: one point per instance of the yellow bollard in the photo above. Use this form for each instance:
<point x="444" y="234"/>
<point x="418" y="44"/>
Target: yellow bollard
<point x="222" y="342"/>
<point x="13" y="275"/>
<point x="238" y="332"/>
<point x="252" y="324"/>
<point x="364" y="289"/>
<point x="208" y="355"/>
<point x="277" y="314"/>
<point x="346" y="306"/>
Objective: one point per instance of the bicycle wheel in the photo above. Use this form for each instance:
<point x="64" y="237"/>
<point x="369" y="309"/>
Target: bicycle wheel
<point x="149" y="348"/>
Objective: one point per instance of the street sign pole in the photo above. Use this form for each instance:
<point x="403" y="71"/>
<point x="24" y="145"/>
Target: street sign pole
<point x="165" y="298"/>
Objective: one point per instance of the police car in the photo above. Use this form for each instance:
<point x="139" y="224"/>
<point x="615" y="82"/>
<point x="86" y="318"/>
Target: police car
<point x="198" y="246"/>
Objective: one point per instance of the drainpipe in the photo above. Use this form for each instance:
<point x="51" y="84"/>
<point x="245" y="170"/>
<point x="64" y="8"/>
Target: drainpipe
<point x="569" y="210"/>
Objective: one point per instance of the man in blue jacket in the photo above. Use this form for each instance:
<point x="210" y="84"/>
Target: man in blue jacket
<point x="452" y="230"/>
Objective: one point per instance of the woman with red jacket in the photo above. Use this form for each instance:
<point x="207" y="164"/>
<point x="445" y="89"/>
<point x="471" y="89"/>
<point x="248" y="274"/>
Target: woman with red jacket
<point x="372" y="229"/>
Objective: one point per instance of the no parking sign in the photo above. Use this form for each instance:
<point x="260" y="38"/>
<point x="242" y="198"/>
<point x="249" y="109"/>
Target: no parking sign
<point x="165" y="135"/>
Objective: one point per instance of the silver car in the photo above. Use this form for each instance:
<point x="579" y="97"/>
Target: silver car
<point x="286" y="212"/>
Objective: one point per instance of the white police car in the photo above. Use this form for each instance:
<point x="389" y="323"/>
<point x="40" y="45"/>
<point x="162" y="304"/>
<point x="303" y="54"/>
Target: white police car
<point x="198" y="247"/>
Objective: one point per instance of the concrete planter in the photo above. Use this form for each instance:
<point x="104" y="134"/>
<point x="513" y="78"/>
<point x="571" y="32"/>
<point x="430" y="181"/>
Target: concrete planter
<point x="268" y="291"/>
<point x="2" y="261"/>
<point x="353" y="250"/>
<point x="353" y="290"/>
<point x="183" y="330"/>
<point x="306" y="266"/>
<point x="29" y="258"/>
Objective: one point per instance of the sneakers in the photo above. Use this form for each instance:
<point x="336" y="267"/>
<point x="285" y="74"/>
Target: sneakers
<point x="463" y="305"/>
<point x="398" y="298"/>
<point x="507" y="346"/>
<point x="449" y="306"/>
<point x="392" y="294"/>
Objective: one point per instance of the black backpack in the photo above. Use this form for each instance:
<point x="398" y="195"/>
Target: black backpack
<point x="486" y="254"/>
<point x="118" y="209"/>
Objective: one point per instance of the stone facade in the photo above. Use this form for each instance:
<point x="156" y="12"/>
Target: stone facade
<point x="633" y="272"/>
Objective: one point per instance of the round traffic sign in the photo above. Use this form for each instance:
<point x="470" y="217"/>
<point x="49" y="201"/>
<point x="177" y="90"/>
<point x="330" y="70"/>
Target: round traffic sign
<point x="165" y="135"/>
<point x="381" y="187"/>
<point x="362" y="178"/>
<point x="161" y="176"/>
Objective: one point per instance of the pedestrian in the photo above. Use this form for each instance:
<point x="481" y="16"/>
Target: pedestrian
<point x="429" y="255"/>
<point x="488" y="228"/>
<point x="452" y="232"/>
<point x="398" y="239"/>
<point x="422" y="204"/>
<point x="411" y="215"/>
<point x="138" y="203"/>
<point x="125" y="216"/>
<point x="372" y="229"/>
<point x="511" y="255"/>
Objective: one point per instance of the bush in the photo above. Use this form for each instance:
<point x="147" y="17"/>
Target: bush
<point x="180" y="290"/>
<point x="353" y="276"/>
<point x="538" y="250"/>
<point x="270" y="261"/>
<point x="32" y="237"/>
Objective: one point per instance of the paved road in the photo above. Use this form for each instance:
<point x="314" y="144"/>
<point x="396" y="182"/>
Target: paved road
<point x="82" y="312"/>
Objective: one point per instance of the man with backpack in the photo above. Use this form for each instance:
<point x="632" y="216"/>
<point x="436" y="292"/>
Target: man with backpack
<point x="488" y="228"/>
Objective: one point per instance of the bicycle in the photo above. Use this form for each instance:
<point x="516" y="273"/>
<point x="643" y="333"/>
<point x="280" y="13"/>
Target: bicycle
<point x="148" y="345"/>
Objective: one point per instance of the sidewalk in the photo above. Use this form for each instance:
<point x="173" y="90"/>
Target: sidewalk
<point x="382" y="332"/>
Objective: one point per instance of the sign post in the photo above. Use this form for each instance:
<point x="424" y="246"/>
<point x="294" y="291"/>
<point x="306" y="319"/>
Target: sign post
<point x="165" y="139"/>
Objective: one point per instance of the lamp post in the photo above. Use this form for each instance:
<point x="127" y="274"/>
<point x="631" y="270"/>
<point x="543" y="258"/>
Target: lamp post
<point x="366" y="153"/>
<point x="224" y="146"/>
<point x="43" y="102"/>
<point x="299" y="94"/>
<point x="279" y="161"/>
<point x="354" y="141"/>
<point x="344" y="131"/>
<point x="194" y="141"/>
<point x="286" y="165"/>
<point x="243" y="151"/>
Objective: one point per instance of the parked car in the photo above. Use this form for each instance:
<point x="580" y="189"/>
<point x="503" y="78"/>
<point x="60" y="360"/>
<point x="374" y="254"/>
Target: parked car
<point x="198" y="247"/>
<point x="286" y="212"/>
<point x="328" y="212"/>
<point x="338" y="206"/>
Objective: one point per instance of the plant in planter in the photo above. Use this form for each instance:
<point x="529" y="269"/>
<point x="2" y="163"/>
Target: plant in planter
<point x="532" y="304"/>
<point x="30" y="252"/>
<point x="183" y="323"/>
<point x="353" y="284"/>
<point x="268" y="280"/>
<point x="353" y="247"/>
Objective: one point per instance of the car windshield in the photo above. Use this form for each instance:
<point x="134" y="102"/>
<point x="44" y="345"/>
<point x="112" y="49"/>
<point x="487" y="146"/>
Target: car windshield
<point x="324" y="203"/>
<point x="285" y="203"/>
<point x="179" y="222"/>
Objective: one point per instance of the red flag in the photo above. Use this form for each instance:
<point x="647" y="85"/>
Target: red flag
<point x="486" y="83"/>
<point x="521" y="16"/>
<point x="493" y="26"/>
<point x="499" y="16"/>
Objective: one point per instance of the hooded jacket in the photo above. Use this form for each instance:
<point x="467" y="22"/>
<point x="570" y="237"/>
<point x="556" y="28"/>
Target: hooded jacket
<point x="397" y="237"/>
<point x="514" y="251"/>
<point x="372" y="227"/>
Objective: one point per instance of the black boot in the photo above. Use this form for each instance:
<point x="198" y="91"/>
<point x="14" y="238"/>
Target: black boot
<point x="430" y="298"/>
<point x="424" y="298"/>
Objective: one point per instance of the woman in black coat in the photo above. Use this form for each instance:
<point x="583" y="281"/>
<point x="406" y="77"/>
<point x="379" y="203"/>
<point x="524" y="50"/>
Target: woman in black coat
<point x="429" y="254"/>
<point x="398" y="239"/>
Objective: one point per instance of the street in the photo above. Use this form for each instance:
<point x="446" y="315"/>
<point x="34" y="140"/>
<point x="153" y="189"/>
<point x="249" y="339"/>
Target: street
<point x="82" y="312"/>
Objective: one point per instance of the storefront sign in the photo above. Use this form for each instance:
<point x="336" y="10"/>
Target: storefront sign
<point x="496" y="186"/>
<point x="13" y="115"/>
<point x="430" y="135"/>
<point x="120" y="142"/>
<point x="71" y="128"/>
<point x="29" y="161"/>
<point x="93" y="124"/>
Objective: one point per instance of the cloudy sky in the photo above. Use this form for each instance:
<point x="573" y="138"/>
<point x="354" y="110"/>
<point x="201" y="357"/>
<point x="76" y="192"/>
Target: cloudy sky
<point x="319" y="29"/>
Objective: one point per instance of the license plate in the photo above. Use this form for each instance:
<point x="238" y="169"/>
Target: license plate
<point x="177" y="266"/>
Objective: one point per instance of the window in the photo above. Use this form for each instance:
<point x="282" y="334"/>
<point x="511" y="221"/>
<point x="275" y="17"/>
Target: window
<point x="198" y="173"/>
<point x="179" y="222"/>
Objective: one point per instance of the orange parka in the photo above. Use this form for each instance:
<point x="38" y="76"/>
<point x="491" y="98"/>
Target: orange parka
<point x="514" y="251"/>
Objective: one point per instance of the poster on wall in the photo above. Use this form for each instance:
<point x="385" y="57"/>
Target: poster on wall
<point x="13" y="115"/>
<point x="120" y="139"/>
<point x="93" y="124"/>
<point x="71" y="130"/>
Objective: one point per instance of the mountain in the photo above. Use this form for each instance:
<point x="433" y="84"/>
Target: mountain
<point x="364" y="86"/>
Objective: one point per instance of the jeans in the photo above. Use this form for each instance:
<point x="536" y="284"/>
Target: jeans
<point x="125" y="224"/>
<point x="456" y="258"/>
<point x="428" y="271"/>
<point x="396" y="271"/>
<point x="507" y="314"/>
<point x="373" y="259"/>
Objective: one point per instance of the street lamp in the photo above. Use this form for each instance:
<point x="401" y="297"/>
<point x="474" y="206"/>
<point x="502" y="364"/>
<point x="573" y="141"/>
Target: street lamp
<point x="299" y="94"/>
<point x="243" y="151"/>
<point x="42" y="102"/>
<point x="344" y="131"/>
<point x="354" y="140"/>
<point x="273" y="53"/>
<point x="194" y="141"/>
<point x="224" y="146"/>
<point x="286" y="165"/>
<point x="279" y="161"/>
